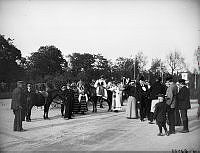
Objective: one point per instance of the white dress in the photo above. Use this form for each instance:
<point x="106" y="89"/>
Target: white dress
<point x="116" y="104"/>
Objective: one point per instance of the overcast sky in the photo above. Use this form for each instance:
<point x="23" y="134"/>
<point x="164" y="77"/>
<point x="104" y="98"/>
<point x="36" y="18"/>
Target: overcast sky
<point x="113" y="28"/>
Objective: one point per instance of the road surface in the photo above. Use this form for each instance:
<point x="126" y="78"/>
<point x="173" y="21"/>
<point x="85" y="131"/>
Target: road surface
<point x="102" y="131"/>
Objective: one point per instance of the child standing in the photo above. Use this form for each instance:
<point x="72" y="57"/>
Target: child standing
<point x="160" y="112"/>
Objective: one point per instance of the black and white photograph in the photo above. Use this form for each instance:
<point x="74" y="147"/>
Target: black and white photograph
<point x="100" y="76"/>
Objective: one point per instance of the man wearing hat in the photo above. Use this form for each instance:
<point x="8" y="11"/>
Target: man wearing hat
<point x="17" y="106"/>
<point x="171" y="94"/>
<point x="183" y="103"/>
<point x="68" y="102"/>
<point x="142" y="97"/>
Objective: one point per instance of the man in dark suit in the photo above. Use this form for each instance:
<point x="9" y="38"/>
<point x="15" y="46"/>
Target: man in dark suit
<point x="183" y="103"/>
<point x="68" y="102"/>
<point x="142" y="97"/>
<point x="17" y="106"/>
<point x="171" y="94"/>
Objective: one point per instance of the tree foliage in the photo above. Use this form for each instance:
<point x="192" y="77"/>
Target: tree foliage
<point x="10" y="59"/>
<point x="157" y="66"/>
<point x="175" y="61"/>
<point x="48" y="60"/>
<point x="141" y="60"/>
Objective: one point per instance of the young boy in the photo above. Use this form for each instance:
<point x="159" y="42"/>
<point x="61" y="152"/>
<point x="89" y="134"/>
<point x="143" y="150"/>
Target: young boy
<point x="161" y="109"/>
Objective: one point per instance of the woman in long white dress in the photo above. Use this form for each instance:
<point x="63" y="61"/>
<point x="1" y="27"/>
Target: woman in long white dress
<point x="116" y="103"/>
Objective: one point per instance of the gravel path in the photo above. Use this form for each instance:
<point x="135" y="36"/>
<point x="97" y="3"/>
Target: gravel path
<point x="102" y="131"/>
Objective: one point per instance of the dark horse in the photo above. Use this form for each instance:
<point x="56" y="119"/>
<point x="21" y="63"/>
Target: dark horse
<point x="91" y="91"/>
<point x="40" y="99"/>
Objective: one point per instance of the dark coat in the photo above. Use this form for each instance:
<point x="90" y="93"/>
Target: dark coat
<point x="171" y="94"/>
<point x="130" y="90"/>
<point x="141" y="95"/>
<point x="160" y="112"/>
<point x="183" y="98"/>
<point x="69" y="95"/>
<point x="157" y="88"/>
<point x="17" y="99"/>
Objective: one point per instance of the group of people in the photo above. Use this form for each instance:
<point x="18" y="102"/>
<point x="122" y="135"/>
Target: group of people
<point x="160" y="102"/>
<point x="74" y="100"/>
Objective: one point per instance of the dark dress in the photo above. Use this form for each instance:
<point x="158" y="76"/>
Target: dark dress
<point x="69" y="95"/>
<point x="76" y="105"/>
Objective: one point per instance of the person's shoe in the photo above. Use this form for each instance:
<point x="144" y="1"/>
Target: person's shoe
<point x="22" y="130"/>
<point x="184" y="131"/>
<point x="159" y="134"/>
<point x="66" y="118"/>
<point x="171" y="132"/>
<point x="151" y="122"/>
<point x="142" y="120"/>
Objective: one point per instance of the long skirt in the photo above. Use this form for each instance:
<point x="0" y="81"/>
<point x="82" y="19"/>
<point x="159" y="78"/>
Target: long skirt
<point x="116" y="104"/>
<point x="131" y="107"/>
<point x="76" y="105"/>
<point x="83" y="104"/>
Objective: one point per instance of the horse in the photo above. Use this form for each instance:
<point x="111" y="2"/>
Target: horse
<point x="91" y="91"/>
<point x="40" y="99"/>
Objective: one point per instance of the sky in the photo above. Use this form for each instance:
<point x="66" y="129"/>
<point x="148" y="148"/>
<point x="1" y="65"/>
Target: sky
<point x="113" y="28"/>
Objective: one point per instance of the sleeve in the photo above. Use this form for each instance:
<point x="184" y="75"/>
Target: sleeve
<point x="86" y="97"/>
<point x="95" y="85"/>
<point x="104" y="83"/>
<point x="79" y="97"/>
<point x="169" y="95"/>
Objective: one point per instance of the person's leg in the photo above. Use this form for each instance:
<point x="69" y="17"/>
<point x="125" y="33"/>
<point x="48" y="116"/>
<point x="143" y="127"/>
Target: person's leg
<point x="62" y="109"/>
<point x="142" y="111"/>
<point x="171" y="118"/>
<point x="185" y="121"/>
<point x="15" y="121"/>
<point x="66" y="114"/>
<point x="160" y="130"/>
<point x="70" y="109"/>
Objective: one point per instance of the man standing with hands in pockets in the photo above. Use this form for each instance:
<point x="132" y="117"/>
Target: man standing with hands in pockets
<point x="17" y="106"/>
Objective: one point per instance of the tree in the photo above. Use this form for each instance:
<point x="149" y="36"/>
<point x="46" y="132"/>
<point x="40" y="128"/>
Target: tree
<point x="10" y="59"/>
<point x="157" y="66"/>
<point x="81" y="65"/>
<point x="101" y="66"/>
<point x="48" y="60"/>
<point x="141" y="59"/>
<point x="175" y="61"/>
<point x="125" y="67"/>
